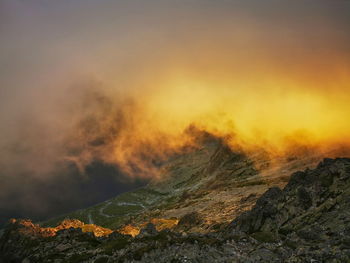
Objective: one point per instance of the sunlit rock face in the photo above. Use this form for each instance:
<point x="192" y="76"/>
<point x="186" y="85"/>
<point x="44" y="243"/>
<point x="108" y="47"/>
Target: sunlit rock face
<point x="158" y="223"/>
<point x="28" y="228"/>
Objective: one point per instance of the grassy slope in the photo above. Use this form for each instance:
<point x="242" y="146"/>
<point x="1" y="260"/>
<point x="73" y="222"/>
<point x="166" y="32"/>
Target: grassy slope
<point x="158" y="195"/>
<point x="211" y="180"/>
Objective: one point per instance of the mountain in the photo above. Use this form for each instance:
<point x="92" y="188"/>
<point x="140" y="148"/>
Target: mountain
<point x="209" y="179"/>
<point x="211" y="204"/>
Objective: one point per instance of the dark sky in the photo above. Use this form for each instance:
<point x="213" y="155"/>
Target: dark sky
<point x="92" y="92"/>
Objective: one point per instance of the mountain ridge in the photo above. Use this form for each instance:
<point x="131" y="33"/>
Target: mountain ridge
<point x="305" y="221"/>
<point x="201" y="179"/>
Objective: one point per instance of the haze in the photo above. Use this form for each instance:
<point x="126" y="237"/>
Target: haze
<point x="118" y="82"/>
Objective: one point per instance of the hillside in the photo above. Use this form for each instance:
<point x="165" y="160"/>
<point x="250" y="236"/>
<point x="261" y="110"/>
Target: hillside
<point x="306" y="221"/>
<point x="210" y="179"/>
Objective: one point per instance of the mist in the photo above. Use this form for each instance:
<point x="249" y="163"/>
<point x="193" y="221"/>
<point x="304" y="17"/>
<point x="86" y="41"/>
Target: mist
<point x="115" y="85"/>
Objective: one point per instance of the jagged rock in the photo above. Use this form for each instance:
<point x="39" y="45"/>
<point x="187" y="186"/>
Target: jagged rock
<point x="262" y="213"/>
<point x="117" y="235"/>
<point x="312" y="210"/>
<point x="69" y="232"/>
<point x="149" y="230"/>
<point x="189" y="220"/>
<point x="63" y="247"/>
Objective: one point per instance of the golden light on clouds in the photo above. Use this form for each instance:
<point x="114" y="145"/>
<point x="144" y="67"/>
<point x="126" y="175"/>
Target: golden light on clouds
<point x="275" y="115"/>
<point x="261" y="74"/>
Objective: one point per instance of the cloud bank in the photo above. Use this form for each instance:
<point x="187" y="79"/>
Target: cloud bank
<point x="118" y="83"/>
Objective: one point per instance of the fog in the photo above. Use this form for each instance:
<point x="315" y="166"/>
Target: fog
<point x="114" y="84"/>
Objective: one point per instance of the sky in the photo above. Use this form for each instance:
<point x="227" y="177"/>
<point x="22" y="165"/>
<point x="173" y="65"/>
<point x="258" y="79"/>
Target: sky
<point x="93" y="92"/>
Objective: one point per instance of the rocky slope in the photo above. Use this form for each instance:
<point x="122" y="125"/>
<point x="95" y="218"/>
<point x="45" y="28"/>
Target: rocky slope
<point x="210" y="179"/>
<point x="307" y="221"/>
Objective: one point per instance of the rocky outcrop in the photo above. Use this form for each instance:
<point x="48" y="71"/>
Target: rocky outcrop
<point x="148" y="230"/>
<point x="189" y="220"/>
<point x="311" y="214"/>
<point x="21" y="236"/>
<point x="311" y="195"/>
<point x="307" y="221"/>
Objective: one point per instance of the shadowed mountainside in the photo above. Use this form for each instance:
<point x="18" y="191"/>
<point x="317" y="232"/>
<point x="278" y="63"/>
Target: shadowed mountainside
<point x="210" y="179"/>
